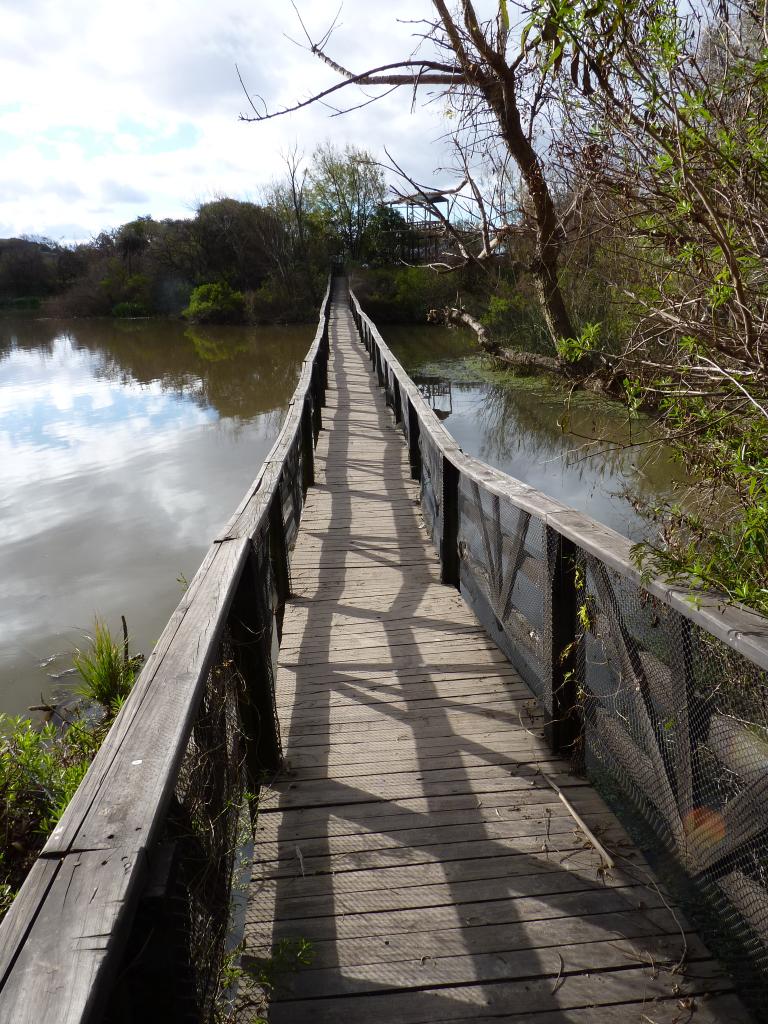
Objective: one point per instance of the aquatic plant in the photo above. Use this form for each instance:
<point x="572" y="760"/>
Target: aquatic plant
<point x="107" y="670"/>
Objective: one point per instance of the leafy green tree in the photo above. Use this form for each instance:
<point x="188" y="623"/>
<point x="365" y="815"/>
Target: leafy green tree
<point x="384" y="235"/>
<point x="347" y="189"/>
<point x="216" y="303"/>
<point x="235" y="240"/>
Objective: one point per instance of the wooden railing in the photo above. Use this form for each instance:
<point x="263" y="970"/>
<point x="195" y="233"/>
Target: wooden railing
<point x="661" y="690"/>
<point x="129" y="902"/>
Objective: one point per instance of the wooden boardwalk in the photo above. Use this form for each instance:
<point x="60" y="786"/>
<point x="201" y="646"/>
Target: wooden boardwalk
<point x="413" y="838"/>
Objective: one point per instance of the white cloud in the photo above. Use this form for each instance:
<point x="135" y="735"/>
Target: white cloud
<point x="110" y="110"/>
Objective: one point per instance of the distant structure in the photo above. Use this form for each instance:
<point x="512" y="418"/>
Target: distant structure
<point x="423" y="239"/>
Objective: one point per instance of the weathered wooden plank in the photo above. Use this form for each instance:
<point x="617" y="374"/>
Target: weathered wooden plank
<point x="516" y="702"/>
<point x="271" y="880"/>
<point x="542" y="830"/>
<point x="516" y="760"/>
<point x="552" y="907"/>
<point x="122" y="798"/>
<point x="293" y="791"/>
<point x="525" y="996"/>
<point x="273" y="902"/>
<point x="501" y="964"/>
<point x="559" y="850"/>
<point x="64" y="968"/>
<point x="22" y="913"/>
<point x="407" y="947"/>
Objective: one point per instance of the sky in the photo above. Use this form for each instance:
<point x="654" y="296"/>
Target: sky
<point x="111" y="110"/>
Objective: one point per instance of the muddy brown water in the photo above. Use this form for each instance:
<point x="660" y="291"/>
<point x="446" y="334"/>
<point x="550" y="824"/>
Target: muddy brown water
<point x="125" y="446"/>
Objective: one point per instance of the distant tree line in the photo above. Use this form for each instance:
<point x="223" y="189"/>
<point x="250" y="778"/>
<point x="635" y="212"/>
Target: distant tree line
<point x="263" y="260"/>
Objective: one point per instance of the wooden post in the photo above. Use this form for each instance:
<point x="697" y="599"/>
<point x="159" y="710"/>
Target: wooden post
<point x="307" y="443"/>
<point x="566" y="729"/>
<point x="278" y="552"/>
<point x="449" y="540"/>
<point x="398" y="401"/>
<point x="251" y="630"/>
<point x="414" y="451"/>
<point x="317" y="390"/>
<point x="379" y="368"/>
<point x="322" y="360"/>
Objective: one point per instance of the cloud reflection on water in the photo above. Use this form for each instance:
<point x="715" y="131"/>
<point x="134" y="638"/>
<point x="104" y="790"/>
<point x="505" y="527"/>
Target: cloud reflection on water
<point x="114" y="481"/>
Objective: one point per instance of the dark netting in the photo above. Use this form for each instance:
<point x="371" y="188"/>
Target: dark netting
<point x="504" y="569"/>
<point x="267" y="603"/>
<point x="680" y="721"/>
<point x="208" y="824"/>
<point x="431" y="487"/>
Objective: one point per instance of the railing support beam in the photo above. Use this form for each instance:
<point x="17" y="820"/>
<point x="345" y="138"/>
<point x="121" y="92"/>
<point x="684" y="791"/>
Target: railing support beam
<point x="414" y="450"/>
<point x="278" y="551"/>
<point x="251" y="629"/>
<point x="449" y="541"/>
<point x="307" y="443"/>
<point x="565" y="651"/>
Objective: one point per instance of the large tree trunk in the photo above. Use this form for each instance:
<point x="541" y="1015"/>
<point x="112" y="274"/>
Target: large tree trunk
<point x="495" y="79"/>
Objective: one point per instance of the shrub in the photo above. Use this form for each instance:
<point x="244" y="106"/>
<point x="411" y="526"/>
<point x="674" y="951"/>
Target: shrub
<point x="108" y="673"/>
<point x="42" y="766"/>
<point x="129" y="309"/>
<point x="216" y="303"/>
<point x="24" y="303"/>
<point x="40" y="769"/>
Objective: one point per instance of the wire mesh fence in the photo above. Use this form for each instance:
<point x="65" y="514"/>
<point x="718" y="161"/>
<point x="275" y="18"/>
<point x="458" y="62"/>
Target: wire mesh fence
<point x="680" y="721"/>
<point x="504" y="564"/>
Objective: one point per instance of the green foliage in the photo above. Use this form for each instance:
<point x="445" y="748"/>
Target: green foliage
<point x="42" y="766"/>
<point x="347" y="189"/>
<point x="287" y="956"/>
<point x="216" y="303"/>
<point x="106" y="670"/>
<point x="40" y="769"/>
<point x="24" y="303"/>
<point x="128" y="309"/>
<point x="723" y="546"/>
<point x="404" y="294"/>
<point x="262" y="976"/>
<point x="573" y="350"/>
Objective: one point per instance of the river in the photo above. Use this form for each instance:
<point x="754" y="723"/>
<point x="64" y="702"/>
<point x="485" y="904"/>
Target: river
<point x="125" y="446"/>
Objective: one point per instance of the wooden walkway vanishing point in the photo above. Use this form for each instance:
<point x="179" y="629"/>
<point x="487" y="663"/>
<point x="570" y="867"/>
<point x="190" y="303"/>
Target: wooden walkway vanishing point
<point x="414" y="837"/>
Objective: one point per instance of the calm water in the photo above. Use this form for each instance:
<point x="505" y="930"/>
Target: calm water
<point x="124" y="447"/>
<point x="539" y="437"/>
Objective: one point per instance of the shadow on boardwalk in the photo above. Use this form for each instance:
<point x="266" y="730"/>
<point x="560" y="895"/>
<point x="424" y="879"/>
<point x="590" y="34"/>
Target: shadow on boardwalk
<point x="413" y="838"/>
